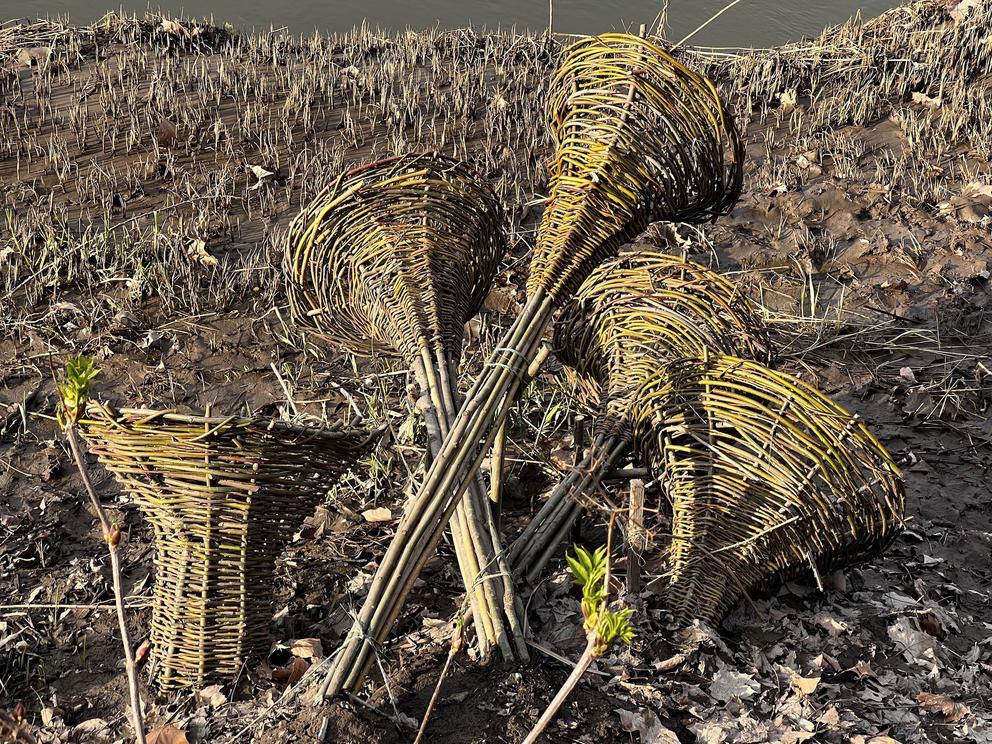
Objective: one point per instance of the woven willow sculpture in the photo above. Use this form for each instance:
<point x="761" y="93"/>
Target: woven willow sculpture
<point x="638" y="137"/>
<point x="395" y="257"/>
<point x="223" y="496"/>
<point x="764" y="477"/>
<point x="632" y="315"/>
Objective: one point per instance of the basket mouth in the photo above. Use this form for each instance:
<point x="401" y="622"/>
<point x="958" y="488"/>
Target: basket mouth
<point x="214" y="426"/>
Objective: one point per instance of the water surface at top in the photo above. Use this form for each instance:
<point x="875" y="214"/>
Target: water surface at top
<point x="749" y="23"/>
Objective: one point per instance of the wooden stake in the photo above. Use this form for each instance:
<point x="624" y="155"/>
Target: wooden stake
<point x="635" y="536"/>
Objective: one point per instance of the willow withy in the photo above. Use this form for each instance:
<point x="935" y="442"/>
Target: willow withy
<point x="763" y="477"/>
<point x="632" y="315"/>
<point x="638" y="137"/>
<point x="394" y="257"/>
<point x="223" y="495"/>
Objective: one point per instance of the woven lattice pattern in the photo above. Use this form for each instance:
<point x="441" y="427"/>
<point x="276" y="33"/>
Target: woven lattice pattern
<point x="639" y="137"/>
<point x="396" y="253"/>
<point x="764" y="476"/>
<point x="635" y="313"/>
<point x="395" y="257"/>
<point x="642" y="309"/>
<point x="223" y="496"/>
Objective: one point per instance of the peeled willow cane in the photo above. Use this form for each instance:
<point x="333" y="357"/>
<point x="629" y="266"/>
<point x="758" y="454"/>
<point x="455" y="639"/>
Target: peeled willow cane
<point x="764" y="477"/>
<point x="638" y="137"/>
<point x="632" y="315"/>
<point x="395" y="257"/>
<point x="223" y="496"/>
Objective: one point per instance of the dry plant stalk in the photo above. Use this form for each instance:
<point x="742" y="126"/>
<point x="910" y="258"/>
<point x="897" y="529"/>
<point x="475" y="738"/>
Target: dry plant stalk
<point x="73" y="394"/>
<point x="633" y="314"/>
<point x="638" y="137"/>
<point x="764" y="478"/>
<point x="395" y="257"/>
<point x="223" y="495"/>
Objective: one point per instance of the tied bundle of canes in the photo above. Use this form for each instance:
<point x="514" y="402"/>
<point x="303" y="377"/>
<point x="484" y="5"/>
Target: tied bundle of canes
<point x="632" y="315"/>
<point x="223" y="495"/>
<point x="764" y="478"/>
<point x="638" y="137"/>
<point x="395" y="257"/>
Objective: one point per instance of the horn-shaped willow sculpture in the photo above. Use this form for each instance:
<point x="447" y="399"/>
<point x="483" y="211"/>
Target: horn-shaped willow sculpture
<point x="223" y="496"/>
<point x="632" y="315"/>
<point x="638" y="137"/>
<point x="395" y="257"/>
<point x="764" y="478"/>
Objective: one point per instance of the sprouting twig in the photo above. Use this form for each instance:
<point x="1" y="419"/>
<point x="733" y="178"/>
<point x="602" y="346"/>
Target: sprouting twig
<point x="73" y="391"/>
<point x="603" y="627"/>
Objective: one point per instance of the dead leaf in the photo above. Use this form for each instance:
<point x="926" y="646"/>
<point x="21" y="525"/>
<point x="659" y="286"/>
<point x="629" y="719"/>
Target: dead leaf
<point x="805" y="685"/>
<point x="862" y="669"/>
<point x="198" y="252"/>
<point x="212" y="696"/>
<point x="647" y="724"/>
<point x="918" y="647"/>
<point x="729" y="685"/>
<point x="379" y="514"/>
<point x="292" y="672"/>
<point x="830" y="717"/>
<point x="166" y="735"/>
<point x="262" y="174"/>
<point x="307" y="648"/>
<point x="95" y="729"/>
<point x="166" y="133"/>
<point x="934" y="703"/>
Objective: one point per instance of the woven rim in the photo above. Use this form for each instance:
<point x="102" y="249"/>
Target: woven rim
<point x="641" y="310"/>
<point x="765" y="477"/>
<point x="396" y="254"/>
<point x="639" y="137"/>
<point x="223" y="496"/>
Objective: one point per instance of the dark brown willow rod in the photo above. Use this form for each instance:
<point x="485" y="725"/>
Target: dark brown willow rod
<point x="638" y="137"/>
<point x="633" y="314"/>
<point x="394" y="257"/>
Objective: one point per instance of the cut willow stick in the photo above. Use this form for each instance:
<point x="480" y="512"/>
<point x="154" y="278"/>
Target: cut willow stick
<point x="395" y="257"/>
<point x="634" y="313"/>
<point x="638" y="137"/>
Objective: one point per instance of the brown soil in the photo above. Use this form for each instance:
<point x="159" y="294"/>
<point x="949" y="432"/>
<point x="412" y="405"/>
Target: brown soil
<point x="864" y="231"/>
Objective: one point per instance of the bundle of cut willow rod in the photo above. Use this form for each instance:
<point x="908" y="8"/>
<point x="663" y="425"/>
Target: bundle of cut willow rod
<point x="223" y="495"/>
<point x="395" y="257"/>
<point x="764" y="477"/>
<point x="638" y="137"/>
<point x="632" y="315"/>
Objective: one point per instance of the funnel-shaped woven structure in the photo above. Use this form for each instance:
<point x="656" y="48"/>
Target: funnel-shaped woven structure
<point x="764" y="476"/>
<point x="638" y="137"/>
<point x="395" y="257"/>
<point x="634" y="314"/>
<point x="223" y="496"/>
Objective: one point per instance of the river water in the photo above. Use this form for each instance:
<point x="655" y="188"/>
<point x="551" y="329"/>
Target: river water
<point x="749" y="23"/>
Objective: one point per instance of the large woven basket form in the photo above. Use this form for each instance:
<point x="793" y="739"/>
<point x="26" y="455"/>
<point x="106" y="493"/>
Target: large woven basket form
<point x="638" y="137"/>
<point x="764" y="478"/>
<point x="223" y="496"/>
<point x="635" y="313"/>
<point x="395" y="257"/>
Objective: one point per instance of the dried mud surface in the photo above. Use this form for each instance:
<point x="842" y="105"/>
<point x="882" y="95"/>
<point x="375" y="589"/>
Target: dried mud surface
<point x="139" y="229"/>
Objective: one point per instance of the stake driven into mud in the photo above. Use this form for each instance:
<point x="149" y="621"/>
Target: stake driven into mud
<point x="638" y="137"/>
<point x="395" y="257"/>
